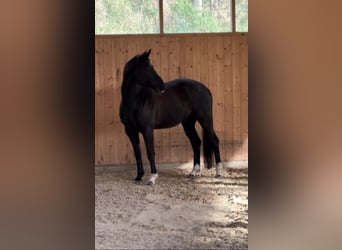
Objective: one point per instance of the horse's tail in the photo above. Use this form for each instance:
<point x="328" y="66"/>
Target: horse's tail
<point x="207" y="149"/>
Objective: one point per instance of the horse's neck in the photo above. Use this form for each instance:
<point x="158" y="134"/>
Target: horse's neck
<point x="133" y="96"/>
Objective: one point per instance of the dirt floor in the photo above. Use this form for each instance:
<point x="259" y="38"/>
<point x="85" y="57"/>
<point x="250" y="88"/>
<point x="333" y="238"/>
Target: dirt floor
<point x="176" y="213"/>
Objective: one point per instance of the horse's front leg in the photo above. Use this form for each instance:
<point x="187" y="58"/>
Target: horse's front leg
<point x="134" y="138"/>
<point x="149" y="142"/>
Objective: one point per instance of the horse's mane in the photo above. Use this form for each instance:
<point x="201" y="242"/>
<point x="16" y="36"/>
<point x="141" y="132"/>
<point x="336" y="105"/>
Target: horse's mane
<point x="129" y="70"/>
<point x="133" y="61"/>
<point x="127" y="74"/>
<point x="128" y="66"/>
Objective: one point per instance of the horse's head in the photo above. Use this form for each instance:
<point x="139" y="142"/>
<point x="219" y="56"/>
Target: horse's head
<point x="140" y="70"/>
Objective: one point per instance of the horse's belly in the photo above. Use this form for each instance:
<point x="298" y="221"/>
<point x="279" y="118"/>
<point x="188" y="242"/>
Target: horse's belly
<point x="172" y="109"/>
<point x="166" y="124"/>
<point x="169" y="119"/>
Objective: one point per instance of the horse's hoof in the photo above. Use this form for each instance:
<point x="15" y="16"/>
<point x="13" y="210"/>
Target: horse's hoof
<point x="152" y="179"/>
<point x="195" y="171"/>
<point x="219" y="168"/>
<point x="194" y="174"/>
<point x="138" y="182"/>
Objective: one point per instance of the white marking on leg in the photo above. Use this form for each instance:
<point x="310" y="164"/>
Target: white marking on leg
<point x="219" y="169"/>
<point x="152" y="179"/>
<point x="196" y="169"/>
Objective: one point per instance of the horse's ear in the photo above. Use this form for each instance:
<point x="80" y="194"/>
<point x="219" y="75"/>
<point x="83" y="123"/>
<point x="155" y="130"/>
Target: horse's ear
<point x="145" y="55"/>
<point x="148" y="53"/>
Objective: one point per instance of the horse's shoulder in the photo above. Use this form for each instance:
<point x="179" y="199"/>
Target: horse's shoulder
<point x="129" y="116"/>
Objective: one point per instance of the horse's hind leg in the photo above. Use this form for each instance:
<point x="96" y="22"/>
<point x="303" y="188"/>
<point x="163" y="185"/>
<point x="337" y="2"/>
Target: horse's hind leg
<point x="211" y="141"/>
<point x="190" y="131"/>
<point x="134" y="138"/>
<point x="219" y="166"/>
<point x="149" y="142"/>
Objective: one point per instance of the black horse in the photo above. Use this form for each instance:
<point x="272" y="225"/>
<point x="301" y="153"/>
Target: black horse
<point x="147" y="104"/>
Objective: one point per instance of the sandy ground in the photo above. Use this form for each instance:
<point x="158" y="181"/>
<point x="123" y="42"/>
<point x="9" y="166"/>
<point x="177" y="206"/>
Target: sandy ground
<point x="176" y="213"/>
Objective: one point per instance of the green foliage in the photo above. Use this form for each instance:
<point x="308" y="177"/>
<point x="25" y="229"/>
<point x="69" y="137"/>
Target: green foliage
<point x="242" y="15"/>
<point x="186" y="18"/>
<point x="126" y="16"/>
<point x="180" y="16"/>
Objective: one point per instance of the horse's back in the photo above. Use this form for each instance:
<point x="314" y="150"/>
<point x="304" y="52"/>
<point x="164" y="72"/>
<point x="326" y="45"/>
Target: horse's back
<point x="187" y="85"/>
<point x="187" y="89"/>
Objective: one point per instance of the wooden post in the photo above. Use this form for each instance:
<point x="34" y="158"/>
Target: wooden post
<point x="161" y="17"/>
<point x="233" y="9"/>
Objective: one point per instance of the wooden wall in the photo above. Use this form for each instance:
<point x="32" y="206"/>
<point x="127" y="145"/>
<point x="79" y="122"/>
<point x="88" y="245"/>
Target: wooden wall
<point x="218" y="60"/>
